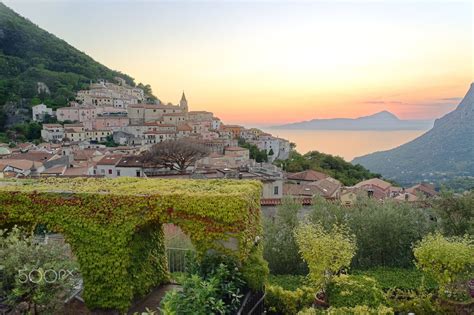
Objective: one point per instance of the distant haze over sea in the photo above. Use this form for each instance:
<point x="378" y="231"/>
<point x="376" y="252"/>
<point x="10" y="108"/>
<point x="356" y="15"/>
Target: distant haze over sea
<point x="347" y="144"/>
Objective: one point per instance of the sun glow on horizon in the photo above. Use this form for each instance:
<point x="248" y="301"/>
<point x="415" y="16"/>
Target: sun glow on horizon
<point x="276" y="62"/>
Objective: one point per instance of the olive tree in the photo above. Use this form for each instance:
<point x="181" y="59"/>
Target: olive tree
<point x="35" y="276"/>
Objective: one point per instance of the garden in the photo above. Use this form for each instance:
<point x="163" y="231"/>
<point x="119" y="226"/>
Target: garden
<point x="372" y="258"/>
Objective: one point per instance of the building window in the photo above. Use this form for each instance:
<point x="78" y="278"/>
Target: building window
<point x="110" y="171"/>
<point x="118" y="172"/>
<point x="275" y="190"/>
<point x="139" y="173"/>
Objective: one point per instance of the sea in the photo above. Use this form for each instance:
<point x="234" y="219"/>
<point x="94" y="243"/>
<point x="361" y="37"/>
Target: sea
<point x="347" y="144"/>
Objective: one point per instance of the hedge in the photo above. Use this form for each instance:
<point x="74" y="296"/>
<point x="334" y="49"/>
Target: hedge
<point x="114" y="226"/>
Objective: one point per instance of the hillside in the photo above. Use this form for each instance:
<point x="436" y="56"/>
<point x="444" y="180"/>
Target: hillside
<point x="333" y="166"/>
<point x="36" y="66"/>
<point x="383" y="120"/>
<point x="442" y="155"/>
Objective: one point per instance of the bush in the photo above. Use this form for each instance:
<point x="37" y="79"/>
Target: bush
<point x="350" y="291"/>
<point x="280" y="248"/>
<point x="455" y="213"/>
<point x="450" y="261"/>
<point x="255" y="270"/>
<point x="325" y="251"/>
<point x="413" y="301"/>
<point x="41" y="275"/>
<point x="399" y="278"/>
<point x="281" y="301"/>
<point x="213" y="287"/>
<point x="287" y="282"/>
<point x="357" y="310"/>
<point x="384" y="231"/>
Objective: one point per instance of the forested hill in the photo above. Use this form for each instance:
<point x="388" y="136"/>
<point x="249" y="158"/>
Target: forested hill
<point x="32" y="59"/>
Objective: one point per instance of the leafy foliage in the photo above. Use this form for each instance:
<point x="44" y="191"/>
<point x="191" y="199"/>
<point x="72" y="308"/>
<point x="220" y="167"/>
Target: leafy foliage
<point x="357" y="310"/>
<point x="449" y="260"/>
<point x="281" y="301"/>
<point x="280" y="248"/>
<point x="350" y="291"/>
<point x="114" y="226"/>
<point x="384" y="231"/>
<point x="30" y="55"/>
<point x="41" y="275"/>
<point x="214" y="286"/>
<point x="334" y="166"/>
<point x="326" y="251"/>
<point x="399" y="278"/>
<point x="254" y="152"/>
<point x="287" y="282"/>
<point x="455" y="213"/>
<point x="413" y="301"/>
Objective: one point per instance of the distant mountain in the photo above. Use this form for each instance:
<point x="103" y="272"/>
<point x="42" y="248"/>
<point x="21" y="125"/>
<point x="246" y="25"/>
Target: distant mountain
<point x="443" y="154"/>
<point x="36" y="66"/>
<point x="383" y="120"/>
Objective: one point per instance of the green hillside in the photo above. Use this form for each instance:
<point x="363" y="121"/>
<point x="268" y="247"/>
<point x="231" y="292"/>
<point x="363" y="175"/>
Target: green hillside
<point x="29" y="57"/>
<point x="444" y="155"/>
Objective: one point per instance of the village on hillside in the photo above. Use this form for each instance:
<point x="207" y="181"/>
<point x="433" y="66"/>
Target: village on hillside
<point x="108" y="128"/>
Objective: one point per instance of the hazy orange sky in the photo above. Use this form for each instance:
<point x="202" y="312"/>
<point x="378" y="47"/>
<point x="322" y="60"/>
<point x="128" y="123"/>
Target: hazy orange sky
<point x="270" y="62"/>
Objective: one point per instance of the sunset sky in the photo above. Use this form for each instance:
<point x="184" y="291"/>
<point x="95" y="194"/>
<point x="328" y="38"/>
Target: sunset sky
<point x="270" y="62"/>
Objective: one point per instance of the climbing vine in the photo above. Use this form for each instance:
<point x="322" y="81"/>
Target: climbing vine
<point x="114" y="226"/>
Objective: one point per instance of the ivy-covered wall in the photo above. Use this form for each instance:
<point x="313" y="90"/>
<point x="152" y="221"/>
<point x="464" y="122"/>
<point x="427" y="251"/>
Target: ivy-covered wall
<point x="114" y="226"/>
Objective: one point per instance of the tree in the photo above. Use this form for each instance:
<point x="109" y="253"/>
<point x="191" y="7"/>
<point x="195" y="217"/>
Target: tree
<point x="40" y="276"/>
<point x="385" y="231"/>
<point x="455" y="213"/>
<point x="326" y="252"/>
<point x="175" y="154"/>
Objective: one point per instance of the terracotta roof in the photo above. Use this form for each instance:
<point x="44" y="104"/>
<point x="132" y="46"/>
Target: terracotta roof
<point x="130" y="161"/>
<point x="374" y="182"/>
<point x="32" y="156"/>
<point x="20" y="164"/>
<point x="308" y="175"/>
<point x="426" y="189"/>
<point x="328" y="187"/>
<point x="112" y="159"/>
<point x="55" y="170"/>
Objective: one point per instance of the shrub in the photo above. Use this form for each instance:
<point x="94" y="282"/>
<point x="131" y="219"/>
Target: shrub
<point x="326" y="252"/>
<point x="449" y="260"/>
<point x="399" y="278"/>
<point x="280" y="248"/>
<point x="41" y="275"/>
<point x="255" y="269"/>
<point x="357" y="310"/>
<point x="350" y="291"/>
<point x="287" y="282"/>
<point x="413" y="301"/>
<point x="455" y="213"/>
<point x="281" y="301"/>
<point x="213" y="287"/>
<point x="384" y="231"/>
